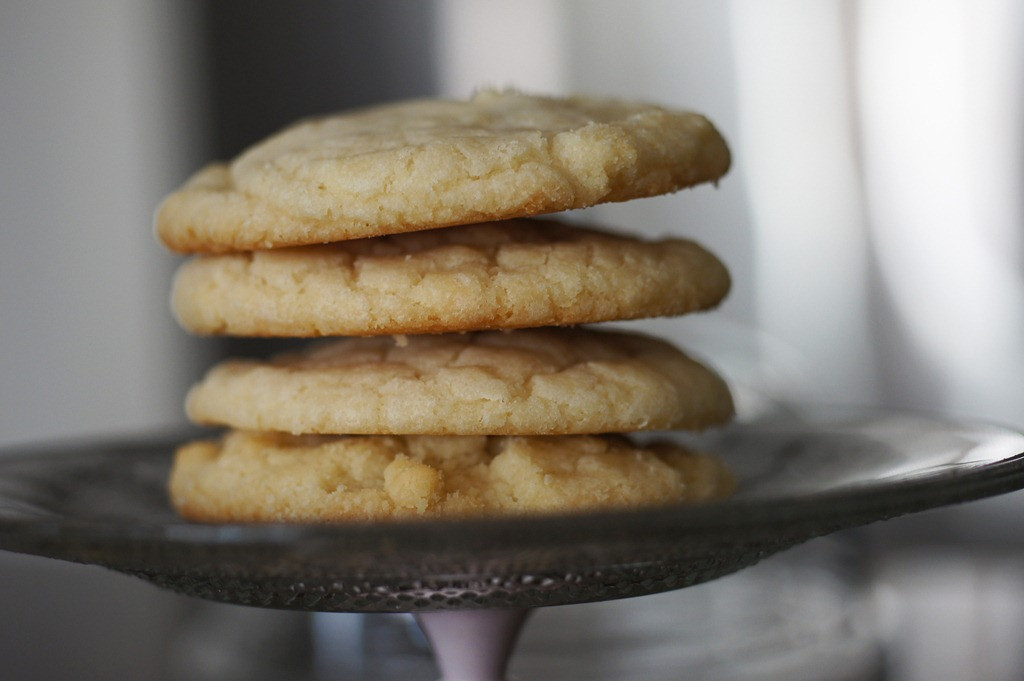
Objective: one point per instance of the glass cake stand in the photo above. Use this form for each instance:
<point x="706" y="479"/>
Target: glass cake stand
<point x="803" y="473"/>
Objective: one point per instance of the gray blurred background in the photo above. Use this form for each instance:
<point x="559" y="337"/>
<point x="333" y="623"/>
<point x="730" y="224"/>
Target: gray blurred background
<point x="872" y="221"/>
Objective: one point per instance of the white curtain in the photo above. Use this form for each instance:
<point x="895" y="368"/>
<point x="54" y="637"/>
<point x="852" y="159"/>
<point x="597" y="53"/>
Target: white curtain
<point x="872" y="219"/>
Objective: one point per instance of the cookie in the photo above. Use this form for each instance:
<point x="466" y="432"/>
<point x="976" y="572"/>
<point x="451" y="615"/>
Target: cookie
<point x="499" y="275"/>
<point x="262" y="477"/>
<point x="525" y="382"/>
<point x="435" y="163"/>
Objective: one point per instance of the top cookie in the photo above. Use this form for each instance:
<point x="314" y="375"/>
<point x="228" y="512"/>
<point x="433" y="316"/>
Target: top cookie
<point x="433" y="163"/>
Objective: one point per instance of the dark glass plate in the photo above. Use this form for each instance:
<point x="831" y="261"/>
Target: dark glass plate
<point x="802" y="475"/>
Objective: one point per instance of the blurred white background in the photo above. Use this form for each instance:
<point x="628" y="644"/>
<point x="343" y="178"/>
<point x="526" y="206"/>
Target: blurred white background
<point x="872" y="220"/>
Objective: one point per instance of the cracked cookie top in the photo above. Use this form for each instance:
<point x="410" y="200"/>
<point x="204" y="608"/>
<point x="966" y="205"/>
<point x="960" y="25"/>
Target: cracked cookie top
<point x="423" y="164"/>
<point x="525" y="382"/>
<point x="498" y="275"/>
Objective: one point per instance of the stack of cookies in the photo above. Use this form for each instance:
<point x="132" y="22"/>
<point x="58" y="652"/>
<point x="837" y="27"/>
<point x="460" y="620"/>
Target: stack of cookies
<point x="459" y="381"/>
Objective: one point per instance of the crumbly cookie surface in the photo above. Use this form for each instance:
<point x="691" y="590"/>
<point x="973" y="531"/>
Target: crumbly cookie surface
<point x="525" y="382"/>
<point x="500" y="275"/>
<point x="264" y="477"/>
<point x="433" y="163"/>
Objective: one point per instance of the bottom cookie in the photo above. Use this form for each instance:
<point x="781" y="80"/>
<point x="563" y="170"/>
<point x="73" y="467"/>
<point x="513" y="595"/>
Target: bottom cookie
<point x="273" y="477"/>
